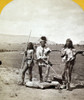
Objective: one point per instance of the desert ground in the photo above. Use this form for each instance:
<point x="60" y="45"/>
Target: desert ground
<point x="10" y="75"/>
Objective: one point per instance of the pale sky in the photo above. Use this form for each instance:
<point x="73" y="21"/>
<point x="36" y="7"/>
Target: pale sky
<point x="56" y="19"/>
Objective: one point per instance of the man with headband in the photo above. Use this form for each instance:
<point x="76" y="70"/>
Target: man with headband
<point x="42" y="54"/>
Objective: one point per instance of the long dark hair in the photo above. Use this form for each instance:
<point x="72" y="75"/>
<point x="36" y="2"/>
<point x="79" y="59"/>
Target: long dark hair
<point x="30" y="46"/>
<point x="71" y="44"/>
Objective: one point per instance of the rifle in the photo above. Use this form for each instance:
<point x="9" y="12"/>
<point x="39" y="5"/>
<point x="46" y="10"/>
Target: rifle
<point x="47" y="63"/>
<point x="42" y="60"/>
<point x="22" y="64"/>
<point x="55" y="51"/>
<point x="80" y="52"/>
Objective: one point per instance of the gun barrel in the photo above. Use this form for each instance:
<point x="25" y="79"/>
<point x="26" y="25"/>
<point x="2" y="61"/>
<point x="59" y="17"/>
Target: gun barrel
<point x="80" y="52"/>
<point x="55" y="50"/>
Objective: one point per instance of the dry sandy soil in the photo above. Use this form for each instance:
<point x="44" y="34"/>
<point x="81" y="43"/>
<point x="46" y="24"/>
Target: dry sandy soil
<point x="10" y="75"/>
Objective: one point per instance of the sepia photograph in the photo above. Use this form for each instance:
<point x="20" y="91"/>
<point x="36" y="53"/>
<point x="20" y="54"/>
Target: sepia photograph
<point x="41" y="49"/>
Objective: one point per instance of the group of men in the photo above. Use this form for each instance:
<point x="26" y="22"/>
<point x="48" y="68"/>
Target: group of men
<point x="42" y="59"/>
<point x="42" y="53"/>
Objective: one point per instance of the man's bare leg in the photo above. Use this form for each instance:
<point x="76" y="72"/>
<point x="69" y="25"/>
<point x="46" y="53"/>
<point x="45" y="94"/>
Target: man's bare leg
<point x="23" y="74"/>
<point x="47" y="73"/>
<point x="30" y="73"/>
<point x="40" y="73"/>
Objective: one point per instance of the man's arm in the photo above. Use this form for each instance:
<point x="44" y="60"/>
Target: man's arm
<point x="80" y="52"/>
<point x="63" y="53"/>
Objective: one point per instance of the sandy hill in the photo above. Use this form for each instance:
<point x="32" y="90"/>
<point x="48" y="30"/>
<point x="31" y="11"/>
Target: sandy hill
<point x="16" y="38"/>
<point x="19" y="39"/>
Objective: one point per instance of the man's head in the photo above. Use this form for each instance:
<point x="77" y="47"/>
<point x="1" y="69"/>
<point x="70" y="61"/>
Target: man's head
<point x="43" y="41"/>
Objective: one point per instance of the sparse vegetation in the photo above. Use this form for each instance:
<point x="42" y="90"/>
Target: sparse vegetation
<point x="11" y="58"/>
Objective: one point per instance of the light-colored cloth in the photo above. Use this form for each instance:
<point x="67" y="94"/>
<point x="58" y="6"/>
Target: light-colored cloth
<point x="37" y="84"/>
<point x="30" y="57"/>
<point x="30" y="53"/>
<point x="69" y="54"/>
<point x="41" y="54"/>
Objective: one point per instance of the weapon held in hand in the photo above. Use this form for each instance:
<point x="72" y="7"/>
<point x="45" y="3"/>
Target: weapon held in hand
<point x="80" y="52"/>
<point x="77" y="52"/>
<point x="22" y="64"/>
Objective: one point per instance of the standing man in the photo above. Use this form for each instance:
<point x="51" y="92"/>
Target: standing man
<point x="42" y="54"/>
